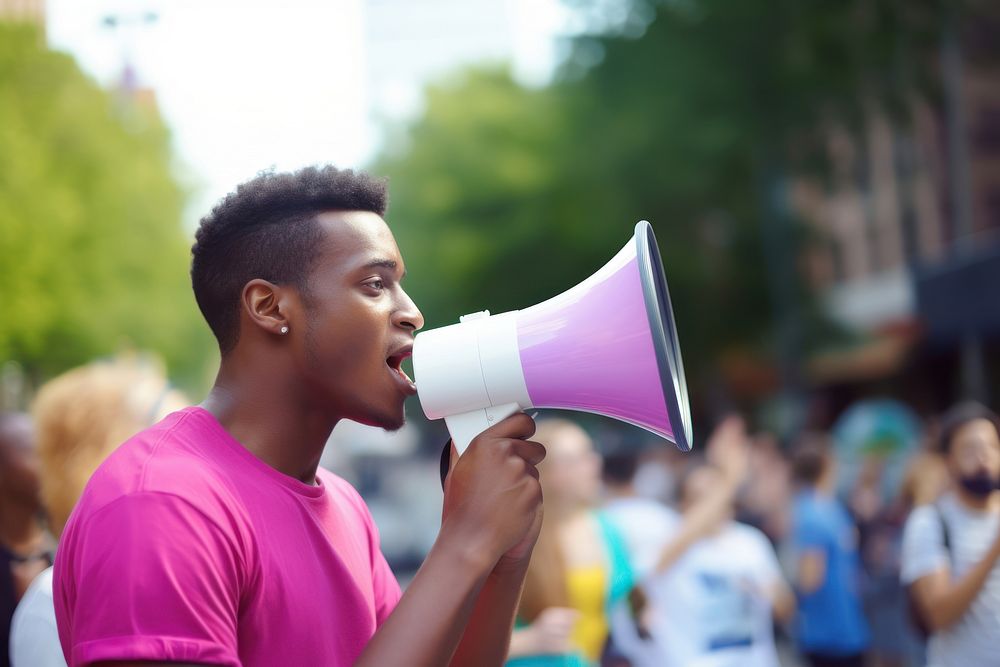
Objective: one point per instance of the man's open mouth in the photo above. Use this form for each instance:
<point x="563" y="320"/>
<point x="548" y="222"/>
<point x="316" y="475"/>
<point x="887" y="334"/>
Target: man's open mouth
<point x="395" y="364"/>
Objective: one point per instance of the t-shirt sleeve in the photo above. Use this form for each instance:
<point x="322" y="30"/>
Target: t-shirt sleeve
<point x="154" y="579"/>
<point x="923" y="545"/>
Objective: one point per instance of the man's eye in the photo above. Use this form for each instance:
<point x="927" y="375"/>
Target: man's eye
<point x="376" y="285"/>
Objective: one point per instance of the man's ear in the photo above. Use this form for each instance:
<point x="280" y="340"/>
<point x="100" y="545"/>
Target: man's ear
<point x="265" y="304"/>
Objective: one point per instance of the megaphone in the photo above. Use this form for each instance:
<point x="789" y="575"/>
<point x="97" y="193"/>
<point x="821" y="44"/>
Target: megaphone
<point x="607" y="346"/>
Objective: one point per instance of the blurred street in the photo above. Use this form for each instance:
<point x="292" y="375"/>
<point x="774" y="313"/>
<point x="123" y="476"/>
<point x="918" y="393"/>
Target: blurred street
<point x="823" y="179"/>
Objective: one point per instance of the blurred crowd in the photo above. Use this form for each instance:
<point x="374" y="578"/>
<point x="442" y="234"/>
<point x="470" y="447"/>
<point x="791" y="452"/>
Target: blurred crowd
<point x="758" y="553"/>
<point x="749" y="551"/>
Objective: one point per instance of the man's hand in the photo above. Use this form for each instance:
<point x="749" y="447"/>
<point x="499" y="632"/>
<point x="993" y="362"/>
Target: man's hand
<point x="459" y="609"/>
<point x="492" y="497"/>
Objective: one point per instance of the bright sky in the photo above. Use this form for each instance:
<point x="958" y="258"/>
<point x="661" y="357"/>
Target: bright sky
<point x="249" y="84"/>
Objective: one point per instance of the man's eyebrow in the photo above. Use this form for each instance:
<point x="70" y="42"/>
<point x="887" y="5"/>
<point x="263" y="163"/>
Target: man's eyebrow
<point x="383" y="264"/>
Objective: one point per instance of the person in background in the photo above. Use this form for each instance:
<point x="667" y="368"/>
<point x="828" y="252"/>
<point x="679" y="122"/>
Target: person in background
<point x="713" y="604"/>
<point x="579" y="569"/>
<point x="81" y="416"/>
<point x="830" y="628"/>
<point x="24" y="550"/>
<point x="698" y="595"/>
<point x="879" y="517"/>
<point x="646" y="525"/>
<point x="951" y="548"/>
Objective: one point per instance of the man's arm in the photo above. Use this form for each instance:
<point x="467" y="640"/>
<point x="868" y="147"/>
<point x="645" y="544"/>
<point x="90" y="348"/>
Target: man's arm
<point x="486" y="639"/>
<point x="943" y="603"/>
<point x="460" y="607"/>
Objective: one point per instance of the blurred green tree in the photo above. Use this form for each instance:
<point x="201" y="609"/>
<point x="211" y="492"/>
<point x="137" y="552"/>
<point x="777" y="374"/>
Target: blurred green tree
<point x="502" y="196"/>
<point x="692" y="114"/>
<point x="93" y="256"/>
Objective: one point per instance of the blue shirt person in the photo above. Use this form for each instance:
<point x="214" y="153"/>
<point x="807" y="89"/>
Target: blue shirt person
<point x="830" y="621"/>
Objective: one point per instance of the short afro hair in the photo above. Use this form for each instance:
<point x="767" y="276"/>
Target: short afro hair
<point x="266" y="229"/>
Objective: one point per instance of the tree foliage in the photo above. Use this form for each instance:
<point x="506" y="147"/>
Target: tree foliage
<point x="92" y="253"/>
<point x="691" y="114"/>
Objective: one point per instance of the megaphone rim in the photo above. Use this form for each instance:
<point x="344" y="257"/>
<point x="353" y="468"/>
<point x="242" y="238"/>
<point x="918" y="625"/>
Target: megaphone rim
<point x="666" y="345"/>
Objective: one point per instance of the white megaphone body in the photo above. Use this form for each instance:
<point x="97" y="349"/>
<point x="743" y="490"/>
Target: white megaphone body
<point x="607" y="346"/>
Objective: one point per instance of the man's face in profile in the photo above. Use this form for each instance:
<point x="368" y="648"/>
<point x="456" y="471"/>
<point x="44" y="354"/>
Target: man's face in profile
<point x="360" y="321"/>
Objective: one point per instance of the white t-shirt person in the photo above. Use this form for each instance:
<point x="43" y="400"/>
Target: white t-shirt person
<point x="34" y="639"/>
<point x="713" y="607"/>
<point x="974" y="640"/>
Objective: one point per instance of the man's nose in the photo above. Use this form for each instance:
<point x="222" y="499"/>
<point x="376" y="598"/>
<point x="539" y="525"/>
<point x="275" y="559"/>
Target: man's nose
<point x="408" y="315"/>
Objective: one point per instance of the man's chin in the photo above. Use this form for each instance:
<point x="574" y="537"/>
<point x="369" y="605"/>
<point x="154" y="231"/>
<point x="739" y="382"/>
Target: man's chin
<point x="394" y="425"/>
<point x="385" y="422"/>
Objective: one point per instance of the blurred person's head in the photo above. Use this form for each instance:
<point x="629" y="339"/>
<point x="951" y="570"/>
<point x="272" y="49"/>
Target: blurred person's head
<point x="619" y="469"/>
<point x="82" y="415"/>
<point x="19" y="465"/>
<point x="970" y="443"/>
<point x="656" y="476"/>
<point x="812" y="463"/>
<point x="697" y="482"/>
<point x="571" y="472"/>
<point x="298" y="276"/>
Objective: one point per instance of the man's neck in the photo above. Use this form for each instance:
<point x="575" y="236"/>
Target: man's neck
<point x="271" y="418"/>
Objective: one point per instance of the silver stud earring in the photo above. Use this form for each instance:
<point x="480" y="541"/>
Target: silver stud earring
<point x="284" y="330"/>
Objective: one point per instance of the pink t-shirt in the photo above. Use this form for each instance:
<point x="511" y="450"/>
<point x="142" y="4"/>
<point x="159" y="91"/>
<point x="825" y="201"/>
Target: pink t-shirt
<point x="186" y="547"/>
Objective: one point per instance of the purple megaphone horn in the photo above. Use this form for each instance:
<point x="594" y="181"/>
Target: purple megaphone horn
<point x="607" y="346"/>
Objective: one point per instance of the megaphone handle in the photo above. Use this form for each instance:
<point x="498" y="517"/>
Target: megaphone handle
<point x="466" y="426"/>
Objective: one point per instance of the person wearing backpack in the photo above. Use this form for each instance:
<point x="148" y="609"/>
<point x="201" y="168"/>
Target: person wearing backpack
<point x="951" y="548"/>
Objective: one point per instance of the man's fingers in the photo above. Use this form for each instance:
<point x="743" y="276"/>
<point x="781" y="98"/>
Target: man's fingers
<point x="530" y="451"/>
<point x="518" y="426"/>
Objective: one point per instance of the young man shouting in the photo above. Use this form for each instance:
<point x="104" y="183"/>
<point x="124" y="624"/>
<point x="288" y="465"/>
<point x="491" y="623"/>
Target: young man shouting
<point x="214" y="537"/>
